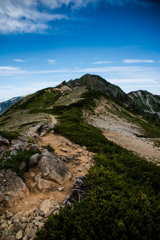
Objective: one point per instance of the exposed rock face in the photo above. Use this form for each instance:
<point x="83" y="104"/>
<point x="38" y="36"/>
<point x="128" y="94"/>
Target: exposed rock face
<point x="149" y="102"/>
<point x="4" y="143"/>
<point x="19" y="145"/>
<point x="44" y="185"/>
<point x="53" y="168"/>
<point x="12" y="188"/>
<point x="38" y="130"/>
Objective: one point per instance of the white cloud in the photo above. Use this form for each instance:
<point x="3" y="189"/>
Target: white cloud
<point x="7" y="71"/>
<point x="24" y="17"/>
<point x="102" y="62"/>
<point x="74" y="3"/>
<point x="138" y="61"/>
<point x="51" y="61"/>
<point x="19" y="60"/>
<point x="8" y="68"/>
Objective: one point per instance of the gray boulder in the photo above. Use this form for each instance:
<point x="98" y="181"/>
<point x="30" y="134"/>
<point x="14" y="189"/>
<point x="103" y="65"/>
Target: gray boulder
<point x="12" y="188"/>
<point x="34" y="159"/>
<point x="17" y="146"/>
<point x="53" y="168"/>
<point x="34" y="148"/>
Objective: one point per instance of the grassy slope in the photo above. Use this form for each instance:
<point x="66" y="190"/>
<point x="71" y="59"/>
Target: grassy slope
<point x="124" y="190"/>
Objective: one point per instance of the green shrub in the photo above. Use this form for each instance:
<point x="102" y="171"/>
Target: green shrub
<point x="49" y="148"/>
<point x="14" y="162"/>
<point x="10" y="135"/>
<point x="124" y="191"/>
<point x="31" y="140"/>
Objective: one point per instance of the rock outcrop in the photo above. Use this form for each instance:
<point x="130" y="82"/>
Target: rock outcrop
<point x="12" y="188"/>
<point x="53" y="168"/>
<point x="38" y="130"/>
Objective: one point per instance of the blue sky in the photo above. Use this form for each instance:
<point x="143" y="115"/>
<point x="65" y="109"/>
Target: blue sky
<point x="43" y="42"/>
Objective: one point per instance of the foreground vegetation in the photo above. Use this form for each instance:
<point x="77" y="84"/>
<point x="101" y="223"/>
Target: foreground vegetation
<point x="123" y="200"/>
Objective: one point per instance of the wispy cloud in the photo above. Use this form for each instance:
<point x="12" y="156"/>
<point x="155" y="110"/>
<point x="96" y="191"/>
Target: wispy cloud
<point x="7" y="71"/>
<point x="138" y="61"/>
<point x="24" y="17"/>
<point x="51" y="61"/>
<point x="19" y="60"/>
<point x="102" y="62"/>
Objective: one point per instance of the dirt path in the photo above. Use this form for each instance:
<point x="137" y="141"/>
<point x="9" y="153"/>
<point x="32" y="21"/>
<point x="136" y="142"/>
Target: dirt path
<point x="79" y="161"/>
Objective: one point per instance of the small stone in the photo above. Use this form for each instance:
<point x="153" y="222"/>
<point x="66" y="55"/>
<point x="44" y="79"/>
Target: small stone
<point x="19" y="235"/>
<point x="23" y="219"/>
<point x="17" y="225"/>
<point x="41" y="225"/>
<point x="61" y="189"/>
<point x="79" y="170"/>
<point x="32" y="174"/>
<point x="25" y="238"/>
<point x="64" y="150"/>
<point x="4" y="225"/>
<point x="11" y="228"/>
<point x="24" y="225"/>
<point x="39" y="218"/>
<point x="69" y="144"/>
<point x="9" y="215"/>
<point x="30" y="232"/>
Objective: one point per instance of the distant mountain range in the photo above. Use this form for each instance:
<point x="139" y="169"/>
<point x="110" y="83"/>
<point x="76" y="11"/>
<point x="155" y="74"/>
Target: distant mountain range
<point x="4" y="105"/>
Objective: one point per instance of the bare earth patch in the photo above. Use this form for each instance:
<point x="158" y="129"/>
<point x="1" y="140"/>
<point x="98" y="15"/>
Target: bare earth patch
<point x="125" y="134"/>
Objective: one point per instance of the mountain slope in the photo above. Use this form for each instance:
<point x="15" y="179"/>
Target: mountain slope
<point x="149" y="102"/>
<point x="121" y="192"/>
<point x="4" y="105"/>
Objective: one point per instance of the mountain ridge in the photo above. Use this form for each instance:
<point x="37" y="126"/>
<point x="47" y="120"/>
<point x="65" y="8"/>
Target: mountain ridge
<point x="78" y="129"/>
